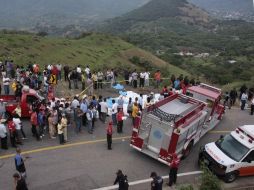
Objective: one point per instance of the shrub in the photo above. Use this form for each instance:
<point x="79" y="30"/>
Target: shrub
<point x="186" y="187"/>
<point x="209" y="181"/>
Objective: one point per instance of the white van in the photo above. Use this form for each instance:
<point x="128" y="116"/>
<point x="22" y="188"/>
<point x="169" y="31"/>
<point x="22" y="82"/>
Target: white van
<point x="231" y="156"/>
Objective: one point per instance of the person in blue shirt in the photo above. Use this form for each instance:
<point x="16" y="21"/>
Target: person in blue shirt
<point x="19" y="163"/>
<point x="84" y="107"/>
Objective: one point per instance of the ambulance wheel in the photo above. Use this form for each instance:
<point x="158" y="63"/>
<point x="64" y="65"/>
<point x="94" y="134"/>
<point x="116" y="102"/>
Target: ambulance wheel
<point x="230" y="177"/>
<point x="187" y="150"/>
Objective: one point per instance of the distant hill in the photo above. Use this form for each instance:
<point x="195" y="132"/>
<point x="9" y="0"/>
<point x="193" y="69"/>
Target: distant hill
<point x="26" y="14"/>
<point x="181" y="33"/>
<point x="156" y="10"/>
<point x="99" y="51"/>
<point x="225" y="5"/>
<point x="228" y="9"/>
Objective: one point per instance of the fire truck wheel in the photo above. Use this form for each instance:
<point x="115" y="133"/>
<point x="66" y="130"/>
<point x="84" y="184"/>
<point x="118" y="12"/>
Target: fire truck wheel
<point x="187" y="150"/>
<point x="230" y="177"/>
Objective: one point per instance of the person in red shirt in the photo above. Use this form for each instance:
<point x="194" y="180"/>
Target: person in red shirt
<point x="175" y="162"/>
<point x="13" y="133"/>
<point x="165" y="92"/>
<point x="157" y="78"/>
<point x="119" y="118"/>
<point x="34" y="122"/>
<point x="109" y="134"/>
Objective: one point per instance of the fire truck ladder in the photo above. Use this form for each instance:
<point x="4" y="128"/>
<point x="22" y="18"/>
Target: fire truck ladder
<point x="163" y="115"/>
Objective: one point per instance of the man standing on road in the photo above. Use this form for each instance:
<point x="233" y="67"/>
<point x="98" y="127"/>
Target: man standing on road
<point x="34" y="122"/>
<point x="3" y="134"/>
<point x="104" y="110"/>
<point x="157" y="182"/>
<point x="252" y="106"/>
<point x="175" y="161"/>
<point x="109" y="135"/>
<point x="233" y="96"/>
<point x="84" y="107"/>
<point x="89" y="116"/>
<point x="244" y="99"/>
<point x="19" y="163"/>
<point x="114" y="112"/>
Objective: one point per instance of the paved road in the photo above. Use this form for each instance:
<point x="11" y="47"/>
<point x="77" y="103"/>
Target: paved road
<point x="85" y="163"/>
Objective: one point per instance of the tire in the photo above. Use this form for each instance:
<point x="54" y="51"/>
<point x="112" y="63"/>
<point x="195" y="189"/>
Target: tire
<point x="230" y="177"/>
<point x="187" y="151"/>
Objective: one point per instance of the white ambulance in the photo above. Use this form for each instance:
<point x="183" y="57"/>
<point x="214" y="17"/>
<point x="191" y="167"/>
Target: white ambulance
<point x="231" y="156"/>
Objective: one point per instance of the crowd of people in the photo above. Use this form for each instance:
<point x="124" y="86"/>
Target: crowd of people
<point x="56" y="116"/>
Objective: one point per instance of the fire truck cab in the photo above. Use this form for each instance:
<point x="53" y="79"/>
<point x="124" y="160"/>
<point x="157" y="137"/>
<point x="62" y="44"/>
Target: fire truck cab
<point x="231" y="156"/>
<point x="176" y="123"/>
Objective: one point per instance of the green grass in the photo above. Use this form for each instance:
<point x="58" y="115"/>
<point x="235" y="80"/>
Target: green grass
<point x="99" y="51"/>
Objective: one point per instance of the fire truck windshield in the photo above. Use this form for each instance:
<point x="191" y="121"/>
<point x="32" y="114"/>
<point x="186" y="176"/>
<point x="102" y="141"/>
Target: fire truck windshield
<point x="232" y="148"/>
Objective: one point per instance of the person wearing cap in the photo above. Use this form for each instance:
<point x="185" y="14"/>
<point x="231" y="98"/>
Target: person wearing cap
<point x="109" y="134"/>
<point x="122" y="180"/>
<point x="19" y="182"/>
<point x="157" y="181"/>
<point x="64" y="126"/>
<point x="3" y="134"/>
<point x="175" y="162"/>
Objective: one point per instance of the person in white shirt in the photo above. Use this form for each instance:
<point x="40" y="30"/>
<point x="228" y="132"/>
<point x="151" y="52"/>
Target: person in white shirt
<point x="147" y="75"/>
<point x="74" y="105"/>
<point x="17" y="123"/>
<point x="6" y="84"/>
<point x="3" y="134"/>
<point x="104" y="110"/>
<point x="141" y="79"/>
<point x="244" y="99"/>
<point x="252" y="106"/>
<point x="87" y="70"/>
<point x="59" y="68"/>
<point x="114" y="112"/>
<point x="49" y="67"/>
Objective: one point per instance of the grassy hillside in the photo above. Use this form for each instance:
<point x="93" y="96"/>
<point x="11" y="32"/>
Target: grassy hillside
<point x="96" y="50"/>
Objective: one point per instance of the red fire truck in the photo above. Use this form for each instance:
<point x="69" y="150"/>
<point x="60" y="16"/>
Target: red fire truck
<point x="176" y="123"/>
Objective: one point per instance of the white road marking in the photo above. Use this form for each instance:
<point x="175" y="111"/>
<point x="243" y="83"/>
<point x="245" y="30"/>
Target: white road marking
<point x="148" y="180"/>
